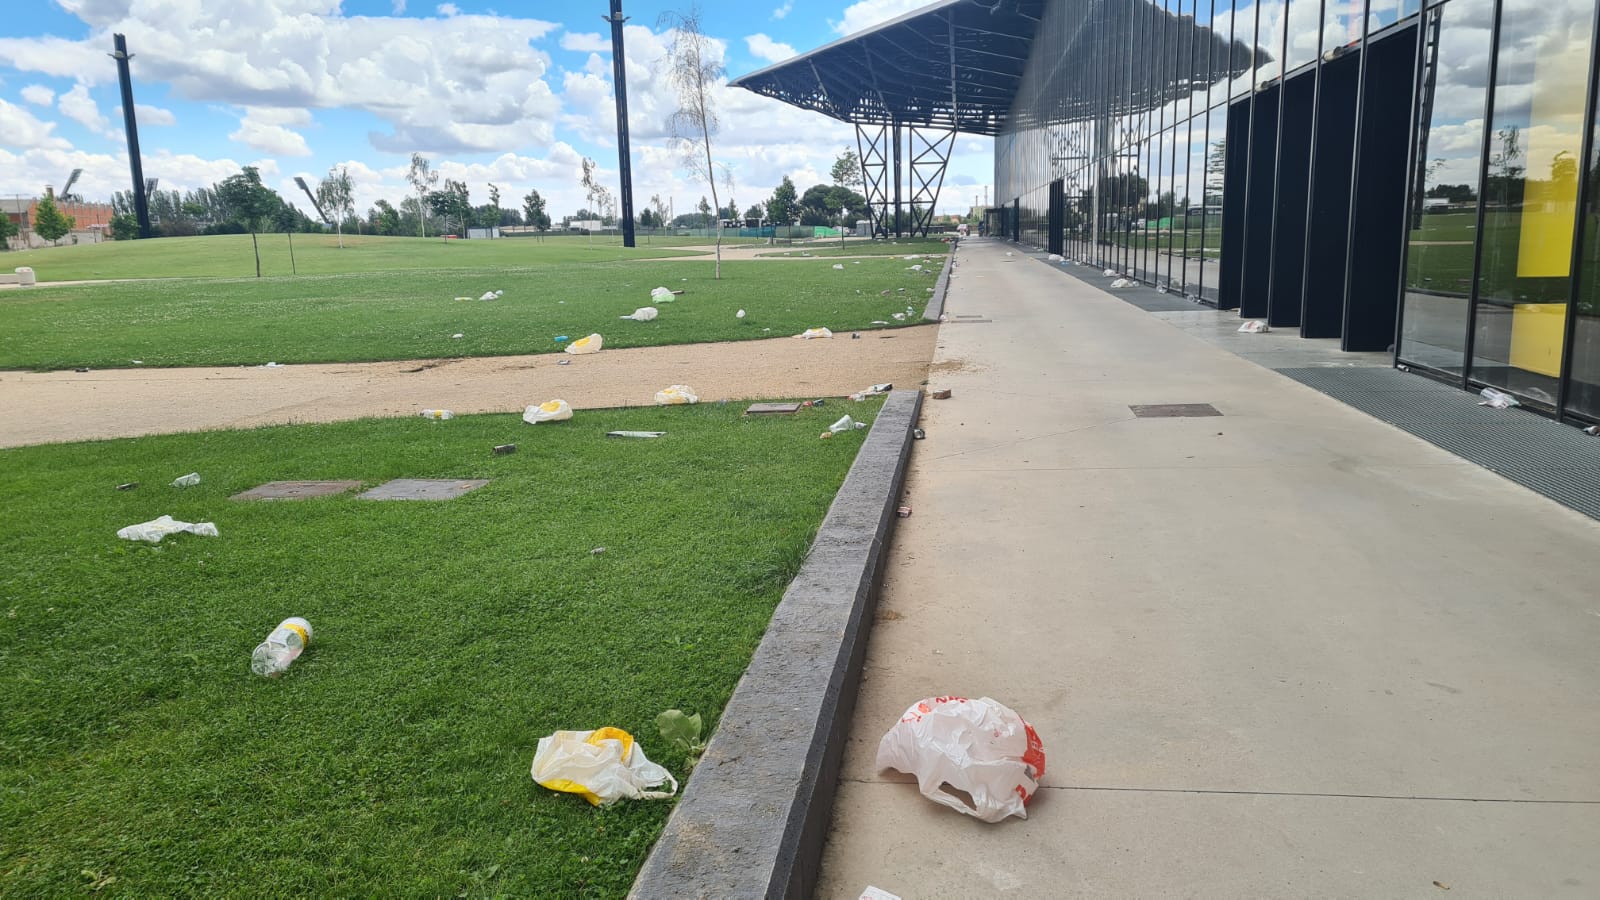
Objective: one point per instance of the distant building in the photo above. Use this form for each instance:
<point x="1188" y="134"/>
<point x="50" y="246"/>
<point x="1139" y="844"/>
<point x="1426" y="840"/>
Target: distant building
<point x="91" y="221"/>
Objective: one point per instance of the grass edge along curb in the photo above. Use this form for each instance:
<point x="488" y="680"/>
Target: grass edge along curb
<point x="754" y="815"/>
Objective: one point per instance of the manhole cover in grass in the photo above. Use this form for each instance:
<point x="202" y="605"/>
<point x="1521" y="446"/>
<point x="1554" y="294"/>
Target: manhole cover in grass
<point x="1175" y="411"/>
<point x="296" y="490"/>
<point x="423" y="489"/>
<point x="769" y="409"/>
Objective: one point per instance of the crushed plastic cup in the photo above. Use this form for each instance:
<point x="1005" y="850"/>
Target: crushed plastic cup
<point x="990" y="756"/>
<point x="439" y="414"/>
<point x="548" y="411"/>
<point x="739" y="314"/>
<point x="189" y="480"/>
<point x="1496" y="399"/>
<point x="154" y="530"/>
<point x="590" y="344"/>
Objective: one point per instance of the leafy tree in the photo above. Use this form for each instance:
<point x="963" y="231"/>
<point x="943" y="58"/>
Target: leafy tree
<point x="782" y="206"/>
<point x="533" y="212"/>
<point x="846" y="172"/>
<point x="48" y="220"/>
<point x="728" y="213"/>
<point x="646" y="219"/>
<point x="695" y="74"/>
<point x="422" y="178"/>
<point x="250" y="202"/>
<point x="336" y="193"/>
<point x="10" y="229"/>
<point x="494" y="203"/>
<point x="756" y="211"/>
<point x="705" y="213"/>
<point x="454" y="202"/>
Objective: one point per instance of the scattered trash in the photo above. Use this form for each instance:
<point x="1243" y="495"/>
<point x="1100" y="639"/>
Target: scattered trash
<point x="903" y="512"/>
<point x="643" y="314"/>
<point x="981" y="748"/>
<point x="1592" y="431"/>
<point x="676" y="395"/>
<point x="1497" y="399"/>
<point x="549" y="411"/>
<point x="503" y="449"/>
<point x="282" y="647"/>
<point x="918" y="434"/>
<point x="845" y="423"/>
<point x="943" y="394"/>
<point x="189" y="480"/>
<point x="270" y="365"/>
<point x="839" y="266"/>
<point x="635" y="434"/>
<point x="156" y="529"/>
<point x="739" y="314"/>
<point x="826" y="435"/>
<point x="563" y="362"/>
<point x="463" y="298"/>
<point x="1254" y="326"/>
<point x="590" y="344"/>
<point x="879" y="322"/>
<point x="492" y="295"/>
<point x="457" y="336"/>
<point x="80" y="370"/>
<point x="810" y="333"/>
<point x="1161" y="289"/>
<point x="877" y="390"/>
<point x="598" y="551"/>
<point x="855" y="335"/>
<point x="663" y="295"/>
<point x="1123" y="283"/>
<point x="128" y="487"/>
<point x="1056" y="257"/>
<point x="601" y="766"/>
<point x="440" y="414"/>
<point x="1110" y="272"/>
<point x="562" y="339"/>
<point x="1403" y="367"/>
<point x="899" y="317"/>
<point x="1441" y="886"/>
<point x="1009" y="253"/>
<point x="137" y="362"/>
<point x="915" y="268"/>
<point x="873" y="893"/>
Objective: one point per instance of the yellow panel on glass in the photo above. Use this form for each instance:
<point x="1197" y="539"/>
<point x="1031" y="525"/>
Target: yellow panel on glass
<point x="1555" y="139"/>
<point x="1537" y="332"/>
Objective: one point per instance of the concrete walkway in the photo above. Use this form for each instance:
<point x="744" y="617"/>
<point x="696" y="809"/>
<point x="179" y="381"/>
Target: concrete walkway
<point x="1287" y="652"/>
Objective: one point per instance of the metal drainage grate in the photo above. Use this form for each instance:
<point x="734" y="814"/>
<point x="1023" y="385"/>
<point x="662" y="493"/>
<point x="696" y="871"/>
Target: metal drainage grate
<point x="1552" y="459"/>
<point x="1175" y="411"/>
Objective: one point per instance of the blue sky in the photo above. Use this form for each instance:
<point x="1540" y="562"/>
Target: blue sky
<point x="514" y="93"/>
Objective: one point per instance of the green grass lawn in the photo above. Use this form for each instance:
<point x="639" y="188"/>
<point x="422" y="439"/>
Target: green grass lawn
<point x="393" y="756"/>
<point x="230" y="255"/>
<point x="859" y="247"/>
<point x="412" y="315"/>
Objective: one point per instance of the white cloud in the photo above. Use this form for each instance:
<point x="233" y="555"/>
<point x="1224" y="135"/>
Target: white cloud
<point x="270" y="138"/>
<point x="867" y="13"/>
<point x="448" y="9"/>
<point x="768" y="49"/>
<point x="784" y="10"/>
<point x="585" y="42"/>
<point x="466" y="83"/>
<point x="24" y="131"/>
<point x="153" y="116"/>
<point x="78" y="106"/>
<point x="39" y="95"/>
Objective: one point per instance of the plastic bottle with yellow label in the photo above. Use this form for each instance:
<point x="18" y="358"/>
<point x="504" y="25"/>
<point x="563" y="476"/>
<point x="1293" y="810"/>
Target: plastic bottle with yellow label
<point x="281" y="647"/>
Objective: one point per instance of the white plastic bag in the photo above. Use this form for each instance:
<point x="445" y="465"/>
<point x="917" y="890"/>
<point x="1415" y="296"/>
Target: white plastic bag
<point x="1055" y="257"/>
<point x="590" y="344"/>
<point x="643" y="314"/>
<point x="601" y="766"/>
<point x="980" y="747"/>
<point x="1497" y="399"/>
<point x="549" y="411"/>
<point x="839" y="266"/>
<point x="810" y="333"/>
<point x="676" y="395"/>
<point x="662" y="295"/>
<point x="1254" y="326"/>
<point x="156" y="529"/>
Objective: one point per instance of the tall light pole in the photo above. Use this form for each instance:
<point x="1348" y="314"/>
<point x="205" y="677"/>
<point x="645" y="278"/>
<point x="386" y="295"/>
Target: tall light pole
<point x="619" y="78"/>
<point x="141" y="206"/>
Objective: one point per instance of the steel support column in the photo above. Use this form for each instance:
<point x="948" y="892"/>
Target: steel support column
<point x="141" y="205"/>
<point x="930" y="150"/>
<point x="619" y="78"/>
<point x="899" y="180"/>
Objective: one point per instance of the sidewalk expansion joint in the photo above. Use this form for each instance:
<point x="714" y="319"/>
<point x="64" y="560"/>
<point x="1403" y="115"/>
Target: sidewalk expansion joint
<point x="1222" y="793"/>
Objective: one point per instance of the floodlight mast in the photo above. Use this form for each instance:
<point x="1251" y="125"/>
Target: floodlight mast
<point x="141" y="206"/>
<point x="619" y="78"/>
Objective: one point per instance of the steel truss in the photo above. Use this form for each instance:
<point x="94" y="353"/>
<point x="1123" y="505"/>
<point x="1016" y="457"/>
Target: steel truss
<point x="885" y="171"/>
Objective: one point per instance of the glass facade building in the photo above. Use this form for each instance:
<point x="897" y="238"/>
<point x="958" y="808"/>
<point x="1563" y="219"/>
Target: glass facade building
<point x="1406" y="177"/>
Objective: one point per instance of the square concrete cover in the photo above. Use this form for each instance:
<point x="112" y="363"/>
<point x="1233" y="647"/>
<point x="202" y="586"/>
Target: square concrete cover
<point x="423" y="489"/>
<point x="1175" y="411"/>
<point x="758" y="409"/>
<point x="296" y="490"/>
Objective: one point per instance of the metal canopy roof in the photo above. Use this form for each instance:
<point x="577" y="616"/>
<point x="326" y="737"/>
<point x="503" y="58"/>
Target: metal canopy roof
<point x="958" y="64"/>
<point x="954" y="64"/>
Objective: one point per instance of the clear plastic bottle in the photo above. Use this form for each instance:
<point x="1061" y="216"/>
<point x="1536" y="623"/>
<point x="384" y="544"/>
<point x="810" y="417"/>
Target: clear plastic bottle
<point x="438" y="414"/>
<point x="281" y="647"/>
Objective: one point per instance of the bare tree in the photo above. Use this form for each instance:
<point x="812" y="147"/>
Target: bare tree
<point x="335" y="193"/>
<point x="598" y="195"/>
<point x="695" y="72"/>
<point x="423" y="178"/>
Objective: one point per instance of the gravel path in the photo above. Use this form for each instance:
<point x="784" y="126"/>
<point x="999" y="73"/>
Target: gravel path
<point x="45" y="407"/>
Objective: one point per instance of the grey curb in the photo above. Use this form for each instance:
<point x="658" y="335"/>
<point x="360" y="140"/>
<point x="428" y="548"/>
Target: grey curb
<point x="940" y="288"/>
<point x="753" y="818"/>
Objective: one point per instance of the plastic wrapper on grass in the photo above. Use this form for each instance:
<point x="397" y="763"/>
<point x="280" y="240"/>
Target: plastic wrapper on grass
<point x="601" y="766"/>
<point x="156" y="529"/>
<point x="590" y="344"/>
<point x="548" y="411"/>
<point x="676" y="395"/>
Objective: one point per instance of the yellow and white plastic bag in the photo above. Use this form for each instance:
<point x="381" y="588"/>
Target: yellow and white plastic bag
<point x="590" y="344"/>
<point x="548" y="411"/>
<point x="602" y="766"/>
<point x="676" y="395"/>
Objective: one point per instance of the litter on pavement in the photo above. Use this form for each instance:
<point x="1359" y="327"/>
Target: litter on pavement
<point x="810" y="333"/>
<point x="877" y="390"/>
<point x="1254" y="326"/>
<point x="549" y="411"/>
<point x="601" y="766"/>
<point x="942" y="394"/>
<point x="676" y="395"/>
<point x="1123" y="283"/>
<point x="1497" y="399"/>
<point x="874" y="893"/>
<point x="156" y="529"/>
<point x="981" y="748"/>
<point x="590" y="344"/>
